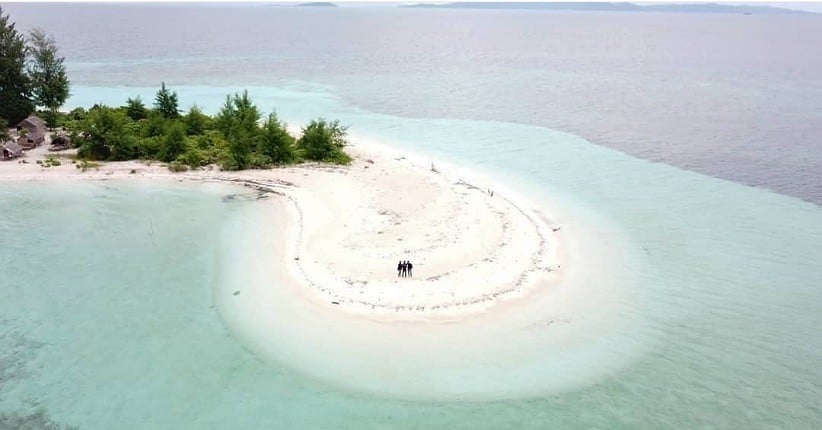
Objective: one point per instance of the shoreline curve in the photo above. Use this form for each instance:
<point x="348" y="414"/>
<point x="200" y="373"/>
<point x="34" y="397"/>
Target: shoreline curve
<point x="473" y="244"/>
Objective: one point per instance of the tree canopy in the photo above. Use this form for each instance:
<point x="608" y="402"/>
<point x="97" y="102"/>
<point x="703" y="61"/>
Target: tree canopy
<point x="238" y="121"/>
<point x="106" y="135"/>
<point x="165" y="102"/>
<point x="235" y="138"/>
<point x="50" y="84"/>
<point x="15" y="86"/>
<point x="135" y="109"/>
<point x="4" y="127"/>
<point x="31" y="73"/>
<point x="324" y="141"/>
<point x="276" y="144"/>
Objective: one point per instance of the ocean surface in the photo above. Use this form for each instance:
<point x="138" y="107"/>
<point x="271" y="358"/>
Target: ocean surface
<point x="731" y="96"/>
<point x="694" y="138"/>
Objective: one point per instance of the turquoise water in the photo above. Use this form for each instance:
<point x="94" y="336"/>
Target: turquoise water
<point x="702" y="308"/>
<point x="108" y="317"/>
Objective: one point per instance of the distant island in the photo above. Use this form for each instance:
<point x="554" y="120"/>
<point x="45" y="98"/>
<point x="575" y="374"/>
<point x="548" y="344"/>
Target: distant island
<point x="318" y="4"/>
<point x="615" y="7"/>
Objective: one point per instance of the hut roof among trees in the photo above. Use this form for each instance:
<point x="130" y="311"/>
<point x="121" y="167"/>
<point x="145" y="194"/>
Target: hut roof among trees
<point x="12" y="147"/>
<point x="32" y="123"/>
<point x="36" y="136"/>
<point x="62" y="140"/>
<point x="32" y="139"/>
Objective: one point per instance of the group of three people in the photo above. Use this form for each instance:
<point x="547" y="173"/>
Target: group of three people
<point x="404" y="268"/>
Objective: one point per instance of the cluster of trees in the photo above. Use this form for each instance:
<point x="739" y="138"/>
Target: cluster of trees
<point x="32" y="74"/>
<point x="236" y="138"/>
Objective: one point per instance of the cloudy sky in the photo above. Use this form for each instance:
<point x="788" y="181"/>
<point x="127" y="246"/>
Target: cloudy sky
<point x="813" y="6"/>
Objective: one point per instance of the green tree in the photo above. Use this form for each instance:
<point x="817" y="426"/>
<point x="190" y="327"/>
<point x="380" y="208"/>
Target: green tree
<point x="135" y="109"/>
<point x="196" y="121"/>
<point x="174" y="142"/>
<point x="324" y="141"/>
<point x="77" y="114"/>
<point x="155" y="125"/>
<point x="106" y="134"/>
<point x="238" y="121"/>
<point x="166" y="102"/>
<point x="276" y="144"/>
<point x="50" y="84"/>
<point x="15" y="87"/>
<point x="4" y="130"/>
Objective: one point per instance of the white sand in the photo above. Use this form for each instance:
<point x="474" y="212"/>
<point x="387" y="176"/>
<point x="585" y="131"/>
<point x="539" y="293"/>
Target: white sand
<point x="472" y="243"/>
<point x="493" y="311"/>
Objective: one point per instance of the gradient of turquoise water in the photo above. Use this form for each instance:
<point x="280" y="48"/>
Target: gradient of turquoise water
<point x="731" y="276"/>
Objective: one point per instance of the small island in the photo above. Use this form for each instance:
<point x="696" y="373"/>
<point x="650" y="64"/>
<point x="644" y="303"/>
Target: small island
<point x="613" y="7"/>
<point x="317" y="4"/>
<point x="349" y="211"/>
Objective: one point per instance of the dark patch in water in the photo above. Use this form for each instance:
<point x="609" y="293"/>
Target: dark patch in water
<point x="38" y="420"/>
<point x="15" y="352"/>
<point x="245" y="197"/>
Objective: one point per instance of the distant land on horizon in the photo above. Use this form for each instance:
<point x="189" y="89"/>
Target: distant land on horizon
<point x="318" y="4"/>
<point x="615" y="7"/>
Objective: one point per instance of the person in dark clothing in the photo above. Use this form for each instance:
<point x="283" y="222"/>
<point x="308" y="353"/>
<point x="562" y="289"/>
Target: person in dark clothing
<point x="404" y="268"/>
<point x="409" y="266"/>
<point x="399" y="268"/>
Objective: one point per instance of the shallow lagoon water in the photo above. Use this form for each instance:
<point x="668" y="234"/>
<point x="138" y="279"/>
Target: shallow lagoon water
<point x="722" y="288"/>
<point x="719" y="284"/>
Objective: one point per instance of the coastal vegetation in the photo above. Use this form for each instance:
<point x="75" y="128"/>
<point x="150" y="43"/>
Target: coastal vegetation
<point x="32" y="74"/>
<point x="236" y="138"/>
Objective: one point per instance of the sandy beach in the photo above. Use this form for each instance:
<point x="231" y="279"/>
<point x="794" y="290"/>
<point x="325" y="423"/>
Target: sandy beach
<point x="306" y="273"/>
<point x="472" y="245"/>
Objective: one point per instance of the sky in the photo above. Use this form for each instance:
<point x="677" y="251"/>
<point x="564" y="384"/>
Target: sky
<point x="808" y="6"/>
<point x="812" y="6"/>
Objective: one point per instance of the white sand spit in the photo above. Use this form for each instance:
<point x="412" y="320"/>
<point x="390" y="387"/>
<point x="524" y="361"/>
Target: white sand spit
<point x="472" y="243"/>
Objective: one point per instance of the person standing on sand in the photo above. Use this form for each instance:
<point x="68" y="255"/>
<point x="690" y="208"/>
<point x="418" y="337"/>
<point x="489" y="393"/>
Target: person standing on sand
<point x="409" y="266"/>
<point x="399" y="268"/>
<point x="404" y="268"/>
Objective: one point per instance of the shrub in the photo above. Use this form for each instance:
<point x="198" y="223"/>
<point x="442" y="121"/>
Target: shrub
<point x="324" y="141"/>
<point x="77" y="114"/>
<point x="106" y="135"/>
<point x="176" y="166"/>
<point x="174" y="143"/>
<point x="275" y="143"/>
<point x="196" y="122"/>
<point x="51" y="161"/>
<point x="84" y="165"/>
<point x="149" y="148"/>
<point x="194" y="157"/>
